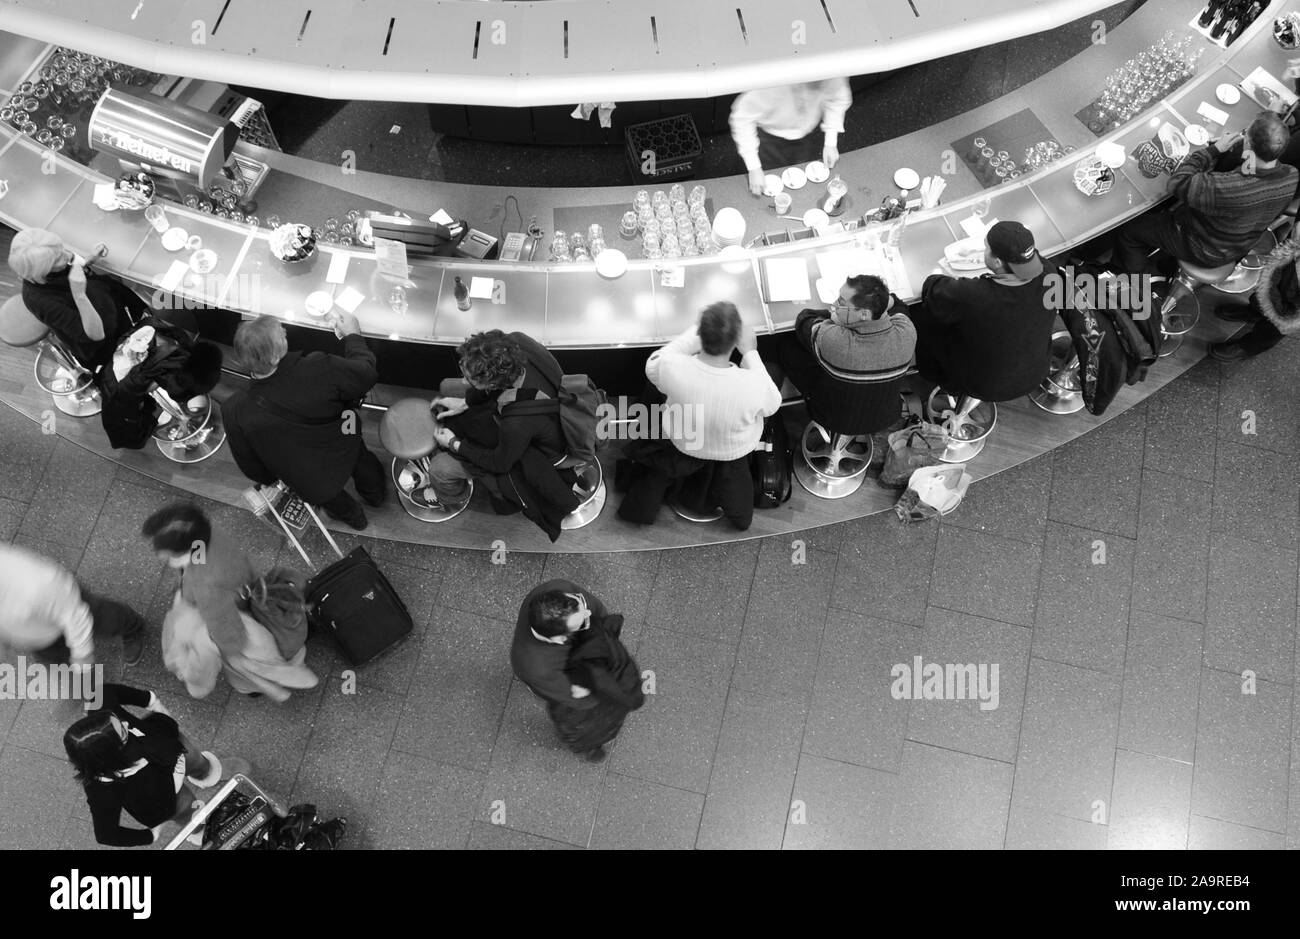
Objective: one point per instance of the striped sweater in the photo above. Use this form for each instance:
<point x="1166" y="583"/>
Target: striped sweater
<point x="1223" y="214"/>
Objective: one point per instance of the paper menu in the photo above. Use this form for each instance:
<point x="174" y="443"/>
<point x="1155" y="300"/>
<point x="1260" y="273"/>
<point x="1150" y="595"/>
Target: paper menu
<point x="839" y="264"/>
<point x="172" y="279"/>
<point x="975" y="227"/>
<point x="338" y="268"/>
<point x="1211" y="113"/>
<point x="390" y="257"/>
<point x="787" y="280"/>
<point x="1262" y="78"/>
<point x="349" y="299"/>
<point x="481" y="287"/>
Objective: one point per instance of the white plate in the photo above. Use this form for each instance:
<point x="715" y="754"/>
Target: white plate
<point x="611" y="263"/>
<point x="907" y="179"/>
<point x="173" y="239"/>
<point x="794" y="178"/>
<point x="816" y="218"/>
<point x="772" y="184"/>
<point x="1196" y="135"/>
<point x="319" y="303"/>
<point x="203" y="261"/>
<point x="1228" y="94"/>
<point x="817" y="172"/>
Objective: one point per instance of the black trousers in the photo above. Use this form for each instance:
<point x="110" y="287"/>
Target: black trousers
<point x="1262" y="336"/>
<point x="776" y="153"/>
<point x="110" y="619"/>
<point x="656" y="469"/>
<point x="1140" y="237"/>
<point x="798" y="364"/>
<point x="369" y="478"/>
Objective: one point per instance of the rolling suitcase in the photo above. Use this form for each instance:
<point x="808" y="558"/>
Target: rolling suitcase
<point x="352" y="600"/>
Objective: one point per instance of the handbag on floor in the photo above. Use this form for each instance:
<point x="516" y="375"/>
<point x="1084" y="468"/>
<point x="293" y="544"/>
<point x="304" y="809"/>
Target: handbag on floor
<point x="352" y="600"/>
<point x="771" y="465"/>
<point x="917" y="445"/>
<point x="933" y="491"/>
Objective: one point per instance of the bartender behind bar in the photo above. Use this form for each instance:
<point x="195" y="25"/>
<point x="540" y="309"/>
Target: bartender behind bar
<point x="778" y="127"/>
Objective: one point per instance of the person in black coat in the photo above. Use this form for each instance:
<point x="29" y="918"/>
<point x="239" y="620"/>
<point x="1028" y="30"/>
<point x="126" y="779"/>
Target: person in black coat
<point x="137" y="764"/>
<point x="506" y="431"/>
<point x="300" y="419"/>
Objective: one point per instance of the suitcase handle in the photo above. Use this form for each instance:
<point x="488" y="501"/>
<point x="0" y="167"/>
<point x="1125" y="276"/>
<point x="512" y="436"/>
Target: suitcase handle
<point x="270" y="504"/>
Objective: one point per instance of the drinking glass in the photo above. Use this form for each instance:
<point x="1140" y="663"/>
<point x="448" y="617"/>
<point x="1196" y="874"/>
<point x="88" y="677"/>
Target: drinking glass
<point x="628" y="226"/>
<point x="689" y="250"/>
<point x="353" y="216"/>
<point x="659" y="198"/>
<point x="676" y="193"/>
<point x="576" y="241"/>
<point x="645" y="215"/>
<point x="191" y="201"/>
<point x="273" y="221"/>
<point x="597" y="246"/>
<point x="697" y="196"/>
<point x="397" y="299"/>
<point x="595" y="232"/>
<point x="642" y="198"/>
<point x="331" y="223"/>
<point x="663" y="212"/>
<point x="652" y="227"/>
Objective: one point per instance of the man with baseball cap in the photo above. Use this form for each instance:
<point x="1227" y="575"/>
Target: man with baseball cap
<point x="989" y="336"/>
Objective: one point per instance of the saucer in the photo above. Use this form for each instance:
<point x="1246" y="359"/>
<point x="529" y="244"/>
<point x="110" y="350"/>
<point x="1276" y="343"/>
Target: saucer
<point x="611" y="263"/>
<point x="319" y="303"/>
<point x="817" y="172"/>
<point x="816" y="218"/>
<point x="1228" y="94"/>
<point x="907" y="178"/>
<point x="173" y="239"/>
<point x="1196" y="135"/>
<point x="794" y="178"/>
<point x="203" y="260"/>
<point x="772" y="184"/>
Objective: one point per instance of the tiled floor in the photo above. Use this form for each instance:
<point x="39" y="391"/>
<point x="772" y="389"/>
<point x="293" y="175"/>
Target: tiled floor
<point x="1137" y="591"/>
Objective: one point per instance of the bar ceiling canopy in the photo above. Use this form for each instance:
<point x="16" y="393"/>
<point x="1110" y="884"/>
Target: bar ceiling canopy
<point x="528" y="54"/>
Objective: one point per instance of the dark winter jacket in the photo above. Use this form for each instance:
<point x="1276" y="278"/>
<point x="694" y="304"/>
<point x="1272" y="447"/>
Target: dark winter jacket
<point x="116" y="304"/>
<point x="1103" y="366"/>
<point x="1278" y="293"/>
<point x="599" y="662"/>
<point x="175" y="363"/>
<point x="541" y="665"/>
<point x="290" y="425"/>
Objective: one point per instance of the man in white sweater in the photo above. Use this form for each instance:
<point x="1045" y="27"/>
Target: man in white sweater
<point x="44" y="611"/>
<point x="713" y="419"/>
<point x="778" y="127"/>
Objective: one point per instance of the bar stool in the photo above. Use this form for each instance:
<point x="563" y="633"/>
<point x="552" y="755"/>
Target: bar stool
<point x="190" y="432"/>
<point x="691" y="515"/>
<point x="1060" y="392"/>
<point x="407" y="432"/>
<point x="1181" y="309"/>
<point x="590" y="488"/>
<point x="832" y="465"/>
<point x="57" y="371"/>
<point x="967" y="422"/>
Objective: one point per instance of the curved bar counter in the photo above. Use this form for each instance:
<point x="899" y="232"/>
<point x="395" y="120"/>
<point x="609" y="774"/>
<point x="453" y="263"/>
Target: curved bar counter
<point x="571" y="307"/>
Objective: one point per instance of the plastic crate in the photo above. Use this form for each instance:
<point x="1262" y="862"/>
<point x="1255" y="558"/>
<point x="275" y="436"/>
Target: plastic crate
<point x="675" y="143"/>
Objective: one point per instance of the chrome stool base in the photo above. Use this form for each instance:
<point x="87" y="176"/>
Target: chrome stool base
<point x="694" y="517"/>
<point x="1059" y="392"/>
<point x="415" y="503"/>
<point x="199" y="445"/>
<point x="972" y="433"/>
<point x="832" y="466"/>
<point x="590" y="487"/>
<point x="86" y="403"/>
<point x="825" y="487"/>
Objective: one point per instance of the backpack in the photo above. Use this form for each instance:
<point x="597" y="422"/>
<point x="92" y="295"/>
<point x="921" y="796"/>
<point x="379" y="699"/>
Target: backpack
<point x="771" y="465"/>
<point x="577" y="404"/>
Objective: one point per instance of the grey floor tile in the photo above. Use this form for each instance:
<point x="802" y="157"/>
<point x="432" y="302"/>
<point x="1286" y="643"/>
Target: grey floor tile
<point x="854" y="716"/>
<point x="826" y="538"/>
<point x="1293" y="802"/>
<point x="423" y="804"/>
<point x="703" y="592"/>
<point x="1082" y="616"/>
<point x="839" y="806"/>
<point x="37" y="792"/>
<point x="1096" y="479"/>
<point x="748" y="800"/>
<point x="1212" y="834"/>
<point x="1242" y="745"/>
<point x="777" y="655"/>
<point x="988" y="727"/>
<point x="1162" y="676"/>
<point x="534" y="783"/>
<point x="70" y="496"/>
<point x="885" y="569"/>
<point x="1250" y="620"/>
<point x="1262" y="385"/>
<point x="486" y="836"/>
<point x="1036" y="829"/>
<point x="350" y="737"/>
<point x="273" y="738"/>
<point x="472" y="583"/>
<point x="992" y="577"/>
<point x="949" y="800"/>
<point x="1181" y="418"/>
<point x="1169" y="570"/>
<point x="672" y="739"/>
<point x="11" y="518"/>
<point x="1256" y="495"/>
<point x="1150" y="803"/>
<point x="40" y="726"/>
<point x="67" y="555"/>
<point x="461" y="679"/>
<point x="24" y="456"/>
<point x="639" y="815"/>
<point x="1067" y="740"/>
<point x="423" y="557"/>
<point x="1012" y="504"/>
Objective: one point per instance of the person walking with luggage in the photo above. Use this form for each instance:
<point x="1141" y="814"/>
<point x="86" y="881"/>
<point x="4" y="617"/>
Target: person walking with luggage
<point x="142" y="765"/>
<point x="208" y="628"/>
<point x="550" y="654"/>
<point x="300" y="418"/>
<point x="43" y="610"/>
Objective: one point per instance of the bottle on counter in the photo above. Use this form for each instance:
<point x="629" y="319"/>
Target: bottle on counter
<point x="461" y="294"/>
<point x="836" y="190"/>
<point x="1209" y="13"/>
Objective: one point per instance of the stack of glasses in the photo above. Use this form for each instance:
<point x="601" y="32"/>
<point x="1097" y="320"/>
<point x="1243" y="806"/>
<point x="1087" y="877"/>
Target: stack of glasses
<point x="671" y="224"/>
<point x="1142" y="81"/>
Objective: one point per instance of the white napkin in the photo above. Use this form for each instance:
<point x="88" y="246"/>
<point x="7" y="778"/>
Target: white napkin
<point x="338" y="268"/>
<point x="349" y="299"/>
<point x="172" y="279"/>
<point x="481" y="288"/>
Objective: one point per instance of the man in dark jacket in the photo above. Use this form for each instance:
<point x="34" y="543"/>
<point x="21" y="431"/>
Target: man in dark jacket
<point x="1225" y="196"/>
<point x="299" y="420"/>
<point x="550" y="620"/>
<point x="502" y="431"/>
<point x="988" y="336"/>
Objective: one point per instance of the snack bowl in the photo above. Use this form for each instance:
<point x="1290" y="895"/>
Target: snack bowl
<point x="1093" y="177"/>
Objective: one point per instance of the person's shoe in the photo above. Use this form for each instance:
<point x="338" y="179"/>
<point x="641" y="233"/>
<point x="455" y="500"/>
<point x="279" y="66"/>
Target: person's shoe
<point x="1228" y="352"/>
<point x="375" y="502"/>
<point x="597" y="755"/>
<point x="214" y="772"/>
<point x="1235" y="313"/>
<point x="357" y="522"/>
<point x="133" y="648"/>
